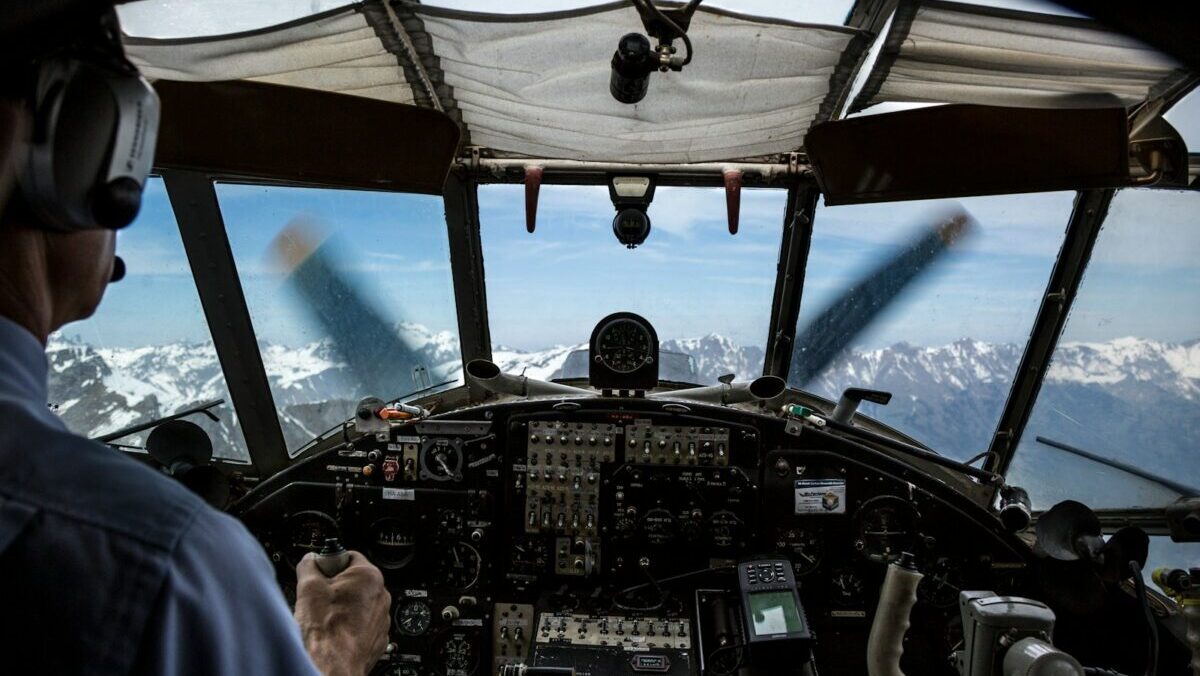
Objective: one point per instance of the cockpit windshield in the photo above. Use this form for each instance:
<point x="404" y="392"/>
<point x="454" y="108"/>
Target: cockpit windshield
<point x="708" y="293"/>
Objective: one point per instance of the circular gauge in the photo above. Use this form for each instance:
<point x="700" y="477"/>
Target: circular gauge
<point x="450" y="522"/>
<point x="659" y="526"/>
<point x="724" y="529"/>
<point x="528" y="556"/>
<point x="804" y="548"/>
<point x="307" y="532"/>
<point x="393" y="544"/>
<point x="887" y="526"/>
<point x="458" y="655"/>
<point x="624" y="346"/>
<point x="441" y="460"/>
<point x="413" y="618"/>
<point x="847" y="589"/>
<point x="459" y="564"/>
<point x="941" y="585"/>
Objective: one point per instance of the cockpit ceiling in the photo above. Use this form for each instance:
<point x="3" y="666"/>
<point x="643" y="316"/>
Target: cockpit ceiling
<point x="537" y="85"/>
<point x="946" y="52"/>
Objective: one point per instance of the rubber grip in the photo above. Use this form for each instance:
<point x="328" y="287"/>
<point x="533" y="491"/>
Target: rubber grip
<point x="886" y="642"/>
<point x="332" y="564"/>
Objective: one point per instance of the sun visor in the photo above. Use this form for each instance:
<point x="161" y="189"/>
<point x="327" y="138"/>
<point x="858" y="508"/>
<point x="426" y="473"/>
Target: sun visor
<point x="265" y="131"/>
<point x="960" y="150"/>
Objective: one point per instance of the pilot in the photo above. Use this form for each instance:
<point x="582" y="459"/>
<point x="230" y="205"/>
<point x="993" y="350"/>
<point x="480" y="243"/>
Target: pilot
<point x="106" y="566"/>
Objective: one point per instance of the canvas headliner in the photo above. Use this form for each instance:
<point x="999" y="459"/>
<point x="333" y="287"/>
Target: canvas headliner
<point x="537" y="85"/>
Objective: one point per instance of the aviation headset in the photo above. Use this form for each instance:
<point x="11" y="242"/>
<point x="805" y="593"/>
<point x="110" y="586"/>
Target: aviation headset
<point x="86" y="159"/>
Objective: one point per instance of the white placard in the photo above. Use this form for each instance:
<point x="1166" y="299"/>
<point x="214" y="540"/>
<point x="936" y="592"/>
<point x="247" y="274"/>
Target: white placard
<point x="820" y="496"/>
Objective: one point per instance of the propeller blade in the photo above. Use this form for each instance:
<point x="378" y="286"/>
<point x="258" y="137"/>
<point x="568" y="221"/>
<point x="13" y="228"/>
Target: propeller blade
<point x="828" y="334"/>
<point x="376" y="354"/>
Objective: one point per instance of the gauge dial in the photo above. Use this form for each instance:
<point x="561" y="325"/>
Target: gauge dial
<point x="624" y="346"/>
<point x="450" y="522"/>
<point x="458" y="655"/>
<point x="441" y="460"/>
<point x="307" y="532"/>
<point x="393" y="544"/>
<point x="529" y="556"/>
<point x="459" y="565"/>
<point x="887" y="527"/>
<point x="847" y="589"/>
<point x="804" y="548"/>
<point x="413" y="618"/>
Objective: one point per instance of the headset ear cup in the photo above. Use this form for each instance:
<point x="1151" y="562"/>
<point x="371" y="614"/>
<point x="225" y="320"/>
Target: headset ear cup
<point x="116" y="203"/>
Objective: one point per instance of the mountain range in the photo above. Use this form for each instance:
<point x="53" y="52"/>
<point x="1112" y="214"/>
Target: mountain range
<point x="1136" y="394"/>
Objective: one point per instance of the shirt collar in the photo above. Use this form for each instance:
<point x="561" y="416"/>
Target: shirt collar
<point x="23" y="366"/>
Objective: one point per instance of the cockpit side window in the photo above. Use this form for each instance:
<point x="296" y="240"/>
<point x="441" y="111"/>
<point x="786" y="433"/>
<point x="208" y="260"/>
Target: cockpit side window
<point x="147" y="352"/>
<point x="350" y="294"/>
<point x="1124" y="382"/>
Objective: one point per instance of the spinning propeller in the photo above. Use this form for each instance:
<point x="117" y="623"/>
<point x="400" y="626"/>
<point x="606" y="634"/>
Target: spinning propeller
<point x="832" y="331"/>
<point x="377" y="356"/>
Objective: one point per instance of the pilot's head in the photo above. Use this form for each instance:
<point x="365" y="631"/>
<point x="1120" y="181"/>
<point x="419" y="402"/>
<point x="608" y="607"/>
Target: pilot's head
<point x="77" y="133"/>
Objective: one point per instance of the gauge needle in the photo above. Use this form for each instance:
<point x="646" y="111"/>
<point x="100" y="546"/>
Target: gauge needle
<point x="442" y="463"/>
<point x="457" y="560"/>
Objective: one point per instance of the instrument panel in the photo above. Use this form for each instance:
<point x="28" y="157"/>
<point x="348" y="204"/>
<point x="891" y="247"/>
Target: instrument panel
<point x="495" y="525"/>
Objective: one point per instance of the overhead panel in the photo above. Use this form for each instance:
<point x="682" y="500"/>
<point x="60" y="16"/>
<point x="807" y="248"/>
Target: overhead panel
<point x="946" y="52"/>
<point x="538" y="85"/>
<point x="336" y="51"/>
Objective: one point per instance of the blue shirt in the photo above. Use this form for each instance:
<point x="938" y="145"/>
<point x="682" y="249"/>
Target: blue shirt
<point x="109" y="567"/>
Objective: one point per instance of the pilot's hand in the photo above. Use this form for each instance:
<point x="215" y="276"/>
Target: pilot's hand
<point x="343" y="619"/>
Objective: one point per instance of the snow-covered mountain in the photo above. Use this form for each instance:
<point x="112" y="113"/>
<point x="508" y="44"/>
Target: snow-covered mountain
<point x="1125" y="393"/>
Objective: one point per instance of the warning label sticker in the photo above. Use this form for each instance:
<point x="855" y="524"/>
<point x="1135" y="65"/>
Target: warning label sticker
<point x="820" y="496"/>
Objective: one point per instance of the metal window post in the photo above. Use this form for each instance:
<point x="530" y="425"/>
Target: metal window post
<point x="194" y="200"/>
<point x="789" y="279"/>
<point x="466" y="267"/>
<point x="1091" y="206"/>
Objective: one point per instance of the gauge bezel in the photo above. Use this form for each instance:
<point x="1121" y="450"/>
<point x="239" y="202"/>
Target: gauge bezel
<point x="604" y="375"/>
<point x="374" y="547"/>
<point x="427" y="614"/>
<point x="875" y="504"/>
<point x="428" y="446"/>
<point x="478" y="564"/>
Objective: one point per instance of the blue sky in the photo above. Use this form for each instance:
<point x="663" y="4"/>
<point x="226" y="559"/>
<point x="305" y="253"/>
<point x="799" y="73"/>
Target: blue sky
<point x="690" y="278"/>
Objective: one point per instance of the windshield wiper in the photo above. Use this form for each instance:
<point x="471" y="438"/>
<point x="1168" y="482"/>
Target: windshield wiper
<point x="1182" y="489"/>
<point x="134" y="429"/>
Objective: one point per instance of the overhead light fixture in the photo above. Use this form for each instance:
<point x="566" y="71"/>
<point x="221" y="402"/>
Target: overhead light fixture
<point x="634" y="59"/>
<point x="631" y="196"/>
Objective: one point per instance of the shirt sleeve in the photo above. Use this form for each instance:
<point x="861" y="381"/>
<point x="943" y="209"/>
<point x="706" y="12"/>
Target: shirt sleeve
<point x="220" y="610"/>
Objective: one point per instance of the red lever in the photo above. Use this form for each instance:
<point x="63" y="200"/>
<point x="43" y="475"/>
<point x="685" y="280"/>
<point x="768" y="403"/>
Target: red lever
<point x="533" y="184"/>
<point x="733" y="198"/>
